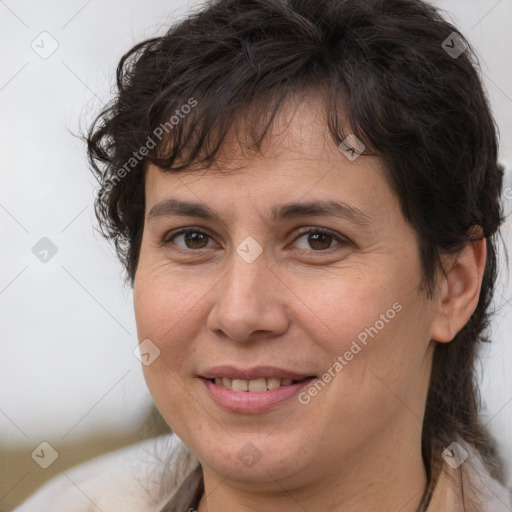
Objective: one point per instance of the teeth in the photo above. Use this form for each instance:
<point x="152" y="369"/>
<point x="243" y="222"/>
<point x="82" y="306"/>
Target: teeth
<point x="239" y="385"/>
<point x="252" y="385"/>
<point x="258" y="385"/>
<point x="273" y="383"/>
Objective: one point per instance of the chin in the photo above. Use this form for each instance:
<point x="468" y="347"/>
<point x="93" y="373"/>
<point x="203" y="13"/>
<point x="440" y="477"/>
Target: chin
<point x="256" y="460"/>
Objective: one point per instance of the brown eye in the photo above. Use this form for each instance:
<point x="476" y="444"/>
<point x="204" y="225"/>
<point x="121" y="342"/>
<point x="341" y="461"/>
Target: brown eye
<point x="196" y="240"/>
<point x="320" y="240"/>
<point x="192" y="239"/>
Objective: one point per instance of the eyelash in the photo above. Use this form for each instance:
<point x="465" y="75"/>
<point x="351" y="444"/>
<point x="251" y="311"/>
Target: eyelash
<point x="342" y="241"/>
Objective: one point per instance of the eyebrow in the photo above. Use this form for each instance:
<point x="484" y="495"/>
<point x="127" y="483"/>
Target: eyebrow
<point x="174" y="207"/>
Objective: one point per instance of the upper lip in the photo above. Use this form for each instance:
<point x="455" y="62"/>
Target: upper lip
<point x="258" y="372"/>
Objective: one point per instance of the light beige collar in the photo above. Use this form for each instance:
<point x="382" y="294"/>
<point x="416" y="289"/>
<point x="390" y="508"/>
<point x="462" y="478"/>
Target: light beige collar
<point x="479" y="492"/>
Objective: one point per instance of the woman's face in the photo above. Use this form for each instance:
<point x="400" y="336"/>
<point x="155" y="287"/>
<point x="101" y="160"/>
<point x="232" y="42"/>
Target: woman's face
<point x="255" y="292"/>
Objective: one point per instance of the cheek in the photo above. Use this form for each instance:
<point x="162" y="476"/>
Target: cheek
<point x="351" y="308"/>
<point x="376" y="342"/>
<point x="164" y="316"/>
<point x="378" y="366"/>
<point x="167" y="319"/>
<point x="167" y="308"/>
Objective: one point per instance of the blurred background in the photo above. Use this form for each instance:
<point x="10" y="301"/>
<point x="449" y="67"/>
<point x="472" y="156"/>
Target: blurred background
<point x="68" y="374"/>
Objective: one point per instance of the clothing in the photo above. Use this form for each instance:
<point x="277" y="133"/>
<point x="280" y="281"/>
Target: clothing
<point x="125" y="480"/>
<point x="129" y="480"/>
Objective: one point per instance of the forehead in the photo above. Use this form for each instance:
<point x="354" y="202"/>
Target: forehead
<point x="298" y="162"/>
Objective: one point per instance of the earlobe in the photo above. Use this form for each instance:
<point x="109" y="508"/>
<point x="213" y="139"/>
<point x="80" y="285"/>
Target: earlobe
<point x="460" y="289"/>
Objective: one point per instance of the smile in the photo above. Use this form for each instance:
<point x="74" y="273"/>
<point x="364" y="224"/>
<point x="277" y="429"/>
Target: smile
<point x="252" y="391"/>
<point x="256" y="385"/>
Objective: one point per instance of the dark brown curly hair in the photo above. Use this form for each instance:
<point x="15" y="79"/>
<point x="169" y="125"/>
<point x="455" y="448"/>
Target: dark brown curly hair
<point x="384" y="72"/>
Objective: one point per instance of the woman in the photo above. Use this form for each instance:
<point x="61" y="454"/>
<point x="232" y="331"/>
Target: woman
<point x="305" y="196"/>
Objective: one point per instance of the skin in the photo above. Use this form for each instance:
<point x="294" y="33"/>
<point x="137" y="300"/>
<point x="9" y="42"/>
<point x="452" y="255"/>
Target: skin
<point x="356" y="445"/>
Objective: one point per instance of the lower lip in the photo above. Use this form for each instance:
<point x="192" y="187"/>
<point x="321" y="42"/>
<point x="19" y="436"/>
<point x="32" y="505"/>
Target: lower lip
<point x="252" y="402"/>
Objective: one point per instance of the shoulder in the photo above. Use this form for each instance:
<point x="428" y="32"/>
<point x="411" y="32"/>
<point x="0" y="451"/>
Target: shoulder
<point x="123" y="480"/>
<point x="487" y="493"/>
<point x="465" y="485"/>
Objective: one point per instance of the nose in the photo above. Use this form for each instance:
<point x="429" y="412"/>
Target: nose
<point x="249" y="302"/>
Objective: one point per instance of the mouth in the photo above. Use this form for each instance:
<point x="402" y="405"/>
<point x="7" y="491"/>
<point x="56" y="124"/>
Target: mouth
<point x="255" y="385"/>
<point x="250" y="391"/>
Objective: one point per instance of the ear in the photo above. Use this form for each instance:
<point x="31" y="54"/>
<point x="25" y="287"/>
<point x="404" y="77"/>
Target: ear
<point x="460" y="289"/>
